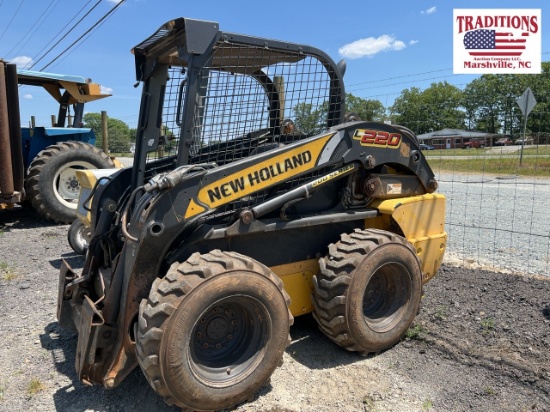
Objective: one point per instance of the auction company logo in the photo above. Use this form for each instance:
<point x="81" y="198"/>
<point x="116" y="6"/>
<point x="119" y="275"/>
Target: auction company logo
<point x="497" y="41"/>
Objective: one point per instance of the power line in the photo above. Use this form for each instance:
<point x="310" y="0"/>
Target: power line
<point x="400" y="77"/>
<point x="79" y="44"/>
<point x="66" y="34"/>
<point x="109" y="13"/>
<point x="404" y="82"/>
<point x="36" y="25"/>
<point x="407" y="75"/>
<point x="11" y="21"/>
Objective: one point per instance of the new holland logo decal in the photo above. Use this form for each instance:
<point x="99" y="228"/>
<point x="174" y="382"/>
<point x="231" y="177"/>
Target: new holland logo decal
<point x="257" y="177"/>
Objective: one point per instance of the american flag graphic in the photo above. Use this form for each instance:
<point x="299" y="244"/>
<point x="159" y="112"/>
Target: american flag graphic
<point x="493" y="43"/>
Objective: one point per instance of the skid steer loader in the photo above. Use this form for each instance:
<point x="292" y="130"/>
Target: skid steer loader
<point x="274" y="205"/>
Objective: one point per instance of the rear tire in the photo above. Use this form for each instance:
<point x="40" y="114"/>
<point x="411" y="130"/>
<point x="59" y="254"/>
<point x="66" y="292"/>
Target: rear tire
<point x="368" y="289"/>
<point x="51" y="183"/>
<point x="213" y="330"/>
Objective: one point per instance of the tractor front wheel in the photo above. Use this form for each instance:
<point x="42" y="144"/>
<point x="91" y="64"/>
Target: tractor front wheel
<point x="51" y="183"/>
<point x="213" y="330"/>
<point x="368" y="289"/>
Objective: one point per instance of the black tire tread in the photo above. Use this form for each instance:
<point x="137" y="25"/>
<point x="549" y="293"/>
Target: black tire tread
<point x="165" y="296"/>
<point x="46" y="156"/>
<point x="330" y="284"/>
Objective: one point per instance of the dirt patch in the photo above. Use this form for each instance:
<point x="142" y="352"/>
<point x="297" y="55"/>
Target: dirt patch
<point x="480" y="343"/>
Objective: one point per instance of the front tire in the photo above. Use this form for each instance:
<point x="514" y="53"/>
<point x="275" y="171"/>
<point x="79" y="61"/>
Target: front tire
<point x="51" y="183"/>
<point x="213" y="330"/>
<point x="368" y="289"/>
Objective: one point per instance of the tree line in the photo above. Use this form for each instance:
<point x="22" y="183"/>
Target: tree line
<point x="487" y="104"/>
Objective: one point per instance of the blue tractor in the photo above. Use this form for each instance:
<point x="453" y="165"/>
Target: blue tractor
<point x="39" y="164"/>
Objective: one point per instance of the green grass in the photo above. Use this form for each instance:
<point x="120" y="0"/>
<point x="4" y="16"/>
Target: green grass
<point x="495" y="151"/>
<point x="427" y="405"/>
<point x="489" y="391"/>
<point x="369" y="404"/>
<point x="487" y="325"/>
<point x="415" y="332"/>
<point x="441" y="312"/>
<point x="537" y="166"/>
<point x="8" y="273"/>
<point x="35" y="386"/>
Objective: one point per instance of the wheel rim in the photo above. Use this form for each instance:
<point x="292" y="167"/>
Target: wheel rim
<point x="386" y="295"/>
<point x="82" y="236"/>
<point x="65" y="184"/>
<point x="228" y="340"/>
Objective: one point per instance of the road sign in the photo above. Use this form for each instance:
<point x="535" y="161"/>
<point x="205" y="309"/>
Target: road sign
<point x="526" y="102"/>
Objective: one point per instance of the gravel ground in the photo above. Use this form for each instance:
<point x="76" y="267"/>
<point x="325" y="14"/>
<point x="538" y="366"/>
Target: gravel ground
<point x="480" y="343"/>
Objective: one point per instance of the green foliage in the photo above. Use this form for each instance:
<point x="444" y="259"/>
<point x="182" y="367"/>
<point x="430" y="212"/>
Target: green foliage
<point x="312" y="120"/>
<point x="427" y="405"/>
<point x="8" y="273"/>
<point x="414" y="332"/>
<point x="35" y="386"/>
<point x="366" y="109"/>
<point x="487" y="104"/>
<point x="308" y="119"/>
<point x="119" y="134"/>
<point x="487" y="324"/>
<point x="532" y="166"/>
<point x="437" y="107"/>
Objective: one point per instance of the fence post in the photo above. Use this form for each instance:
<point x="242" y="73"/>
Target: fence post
<point x="104" y="131"/>
<point x="33" y="122"/>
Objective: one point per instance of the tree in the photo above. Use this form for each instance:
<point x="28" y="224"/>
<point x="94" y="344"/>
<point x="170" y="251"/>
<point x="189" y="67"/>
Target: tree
<point x="309" y="120"/>
<point x="490" y="101"/>
<point x="366" y="109"/>
<point x="407" y="110"/>
<point x="435" y="108"/>
<point x="119" y="133"/>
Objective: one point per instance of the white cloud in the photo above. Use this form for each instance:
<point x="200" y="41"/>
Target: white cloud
<point x="413" y="42"/>
<point x="106" y="90"/>
<point x="431" y="10"/>
<point x="21" y="61"/>
<point x="114" y="1"/>
<point x="370" y="46"/>
<point x="27" y="96"/>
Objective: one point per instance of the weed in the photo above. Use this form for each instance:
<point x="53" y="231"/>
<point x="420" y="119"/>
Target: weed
<point x="441" y="312"/>
<point x="35" y="386"/>
<point x="2" y="390"/>
<point x="369" y="404"/>
<point x="427" y="405"/>
<point x="489" y="391"/>
<point x="414" y="332"/>
<point x="8" y="273"/>
<point x="487" y="324"/>
<point x="10" y="276"/>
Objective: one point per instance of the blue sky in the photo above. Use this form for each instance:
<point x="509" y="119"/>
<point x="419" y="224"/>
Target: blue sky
<point x="388" y="45"/>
